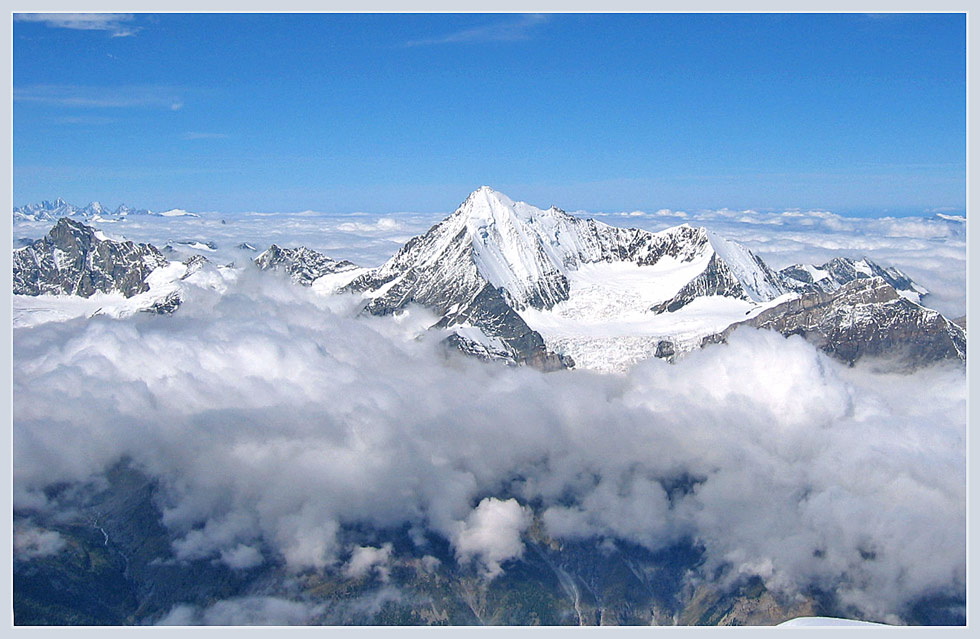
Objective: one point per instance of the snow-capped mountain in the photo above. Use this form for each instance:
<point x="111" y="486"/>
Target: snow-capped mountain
<point x="46" y="210"/>
<point x="124" y="211"/>
<point x="75" y="259"/>
<point x="94" y="211"/>
<point x="303" y="265"/>
<point x="76" y="270"/>
<point x="523" y="285"/>
<point x="516" y="283"/>
<point x="495" y="269"/>
<point x="830" y="276"/>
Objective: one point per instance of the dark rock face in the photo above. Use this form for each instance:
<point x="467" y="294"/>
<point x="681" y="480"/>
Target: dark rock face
<point x="452" y="286"/>
<point x="72" y="260"/>
<point x="665" y="350"/>
<point x="494" y="317"/>
<point x="194" y="264"/>
<point x="865" y="317"/>
<point x="117" y="567"/>
<point x="166" y="306"/>
<point x="840" y="271"/>
<point x="716" y="279"/>
<point x="302" y="264"/>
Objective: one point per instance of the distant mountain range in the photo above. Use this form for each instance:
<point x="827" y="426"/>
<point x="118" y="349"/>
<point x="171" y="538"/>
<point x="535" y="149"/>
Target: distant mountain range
<point x="94" y="211"/>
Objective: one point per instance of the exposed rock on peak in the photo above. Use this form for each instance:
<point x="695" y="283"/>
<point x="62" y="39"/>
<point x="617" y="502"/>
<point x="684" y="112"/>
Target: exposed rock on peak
<point x="302" y="264"/>
<point x="832" y="275"/>
<point x="494" y="253"/>
<point x="865" y="317"/>
<point x="75" y="259"/>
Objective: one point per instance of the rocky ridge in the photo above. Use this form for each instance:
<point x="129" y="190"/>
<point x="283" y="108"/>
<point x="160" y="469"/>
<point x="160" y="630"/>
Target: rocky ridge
<point x="864" y="317"/>
<point x="486" y="265"/>
<point x="302" y="264"/>
<point x="94" y="211"/>
<point x="75" y="259"/>
<point x="828" y="277"/>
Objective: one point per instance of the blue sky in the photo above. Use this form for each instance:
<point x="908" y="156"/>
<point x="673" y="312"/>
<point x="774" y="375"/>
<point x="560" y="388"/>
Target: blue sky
<point x="858" y="114"/>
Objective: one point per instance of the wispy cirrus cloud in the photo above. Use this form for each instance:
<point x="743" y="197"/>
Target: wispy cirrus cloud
<point x="198" y="135"/>
<point x="116" y="23"/>
<point x="84" y="120"/>
<point x="512" y="30"/>
<point x="138" y="96"/>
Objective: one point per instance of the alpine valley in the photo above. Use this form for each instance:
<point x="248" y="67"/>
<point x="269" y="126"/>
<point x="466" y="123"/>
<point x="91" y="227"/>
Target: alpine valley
<point x="499" y="284"/>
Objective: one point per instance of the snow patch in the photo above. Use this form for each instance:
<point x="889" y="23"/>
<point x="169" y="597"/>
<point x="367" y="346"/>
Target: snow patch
<point x="177" y="213"/>
<point x="824" y="622"/>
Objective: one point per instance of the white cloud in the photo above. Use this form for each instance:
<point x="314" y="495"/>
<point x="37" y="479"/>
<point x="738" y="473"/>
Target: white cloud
<point x="244" y="611"/>
<point x="275" y="417"/>
<point x="366" y="559"/>
<point x="134" y="96"/>
<point x="31" y="541"/>
<point x="117" y="23"/>
<point x="241" y="557"/>
<point x="491" y="534"/>
<point x="511" y="30"/>
<point x="383" y="224"/>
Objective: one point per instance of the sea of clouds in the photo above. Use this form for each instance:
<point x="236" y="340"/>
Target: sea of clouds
<point x="274" y="417"/>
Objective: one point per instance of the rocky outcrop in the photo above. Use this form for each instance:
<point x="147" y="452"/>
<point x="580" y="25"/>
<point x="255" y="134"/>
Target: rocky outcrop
<point x="828" y="277"/>
<point x="302" y="264"/>
<point x="75" y="259"/>
<point x="716" y="279"/>
<point x="865" y="317"/>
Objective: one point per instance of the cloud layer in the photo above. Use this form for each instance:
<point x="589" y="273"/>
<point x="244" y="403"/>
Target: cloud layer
<point x="275" y="417"/>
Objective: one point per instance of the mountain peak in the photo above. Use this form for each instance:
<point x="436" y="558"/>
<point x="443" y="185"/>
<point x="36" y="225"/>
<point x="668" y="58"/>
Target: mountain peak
<point x="66" y="223"/>
<point x="77" y="259"/>
<point x="487" y="195"/>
